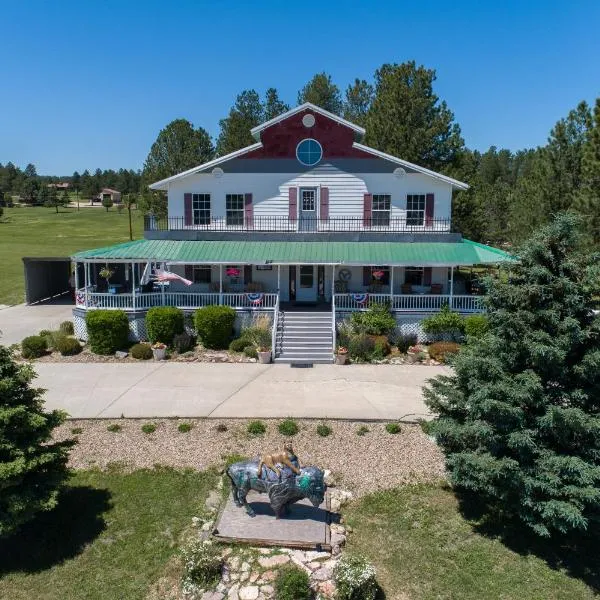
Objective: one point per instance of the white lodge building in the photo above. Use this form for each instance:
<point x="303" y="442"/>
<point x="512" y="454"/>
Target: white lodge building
<point x="305" y="217"/>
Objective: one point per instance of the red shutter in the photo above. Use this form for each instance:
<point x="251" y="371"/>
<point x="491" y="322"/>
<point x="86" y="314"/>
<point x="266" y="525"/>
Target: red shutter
<point x="187" y="209"/>
<point x="429" y="202"/>
<point x="367" y="209"/>
<point x="293" y="205"/>
<point x="324" y="203"/>
<point x="427" y="276"/>
<point x="248" y="211"/>
<point x="189" y="272"/>
<point x="367" y="276"/>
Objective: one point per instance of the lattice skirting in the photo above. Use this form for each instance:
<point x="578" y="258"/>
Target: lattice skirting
<point x="407" y="324"/>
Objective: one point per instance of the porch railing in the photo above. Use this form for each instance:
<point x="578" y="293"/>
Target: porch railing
<point x="409" y="302"/>
<point x="302" y="224"/>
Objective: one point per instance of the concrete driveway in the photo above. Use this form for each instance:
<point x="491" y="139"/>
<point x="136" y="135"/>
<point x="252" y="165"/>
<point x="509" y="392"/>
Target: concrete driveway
<point x="109" y="390"/>
<point x="21" y="320"/>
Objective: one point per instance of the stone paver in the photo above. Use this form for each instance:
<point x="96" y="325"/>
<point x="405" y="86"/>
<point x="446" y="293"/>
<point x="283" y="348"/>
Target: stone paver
<point x="236" y="390"/>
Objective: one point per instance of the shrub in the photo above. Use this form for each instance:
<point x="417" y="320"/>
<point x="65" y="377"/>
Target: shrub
<point x="257" y="336"/>
<point x="34" y="346"/>
<point x="377" y="320"/>
<point x="182" y="342"/>
<point x="444" y="324"/>
<point x="76" y="430"/>
<point x="393" y="428"/>
<point x="256" y="428"/>
<point x="323" y="430"/>
<point x="108" y="330"/>
<point x="68" y="346"/>
<point x="403" y="341"/>
<point x="229" y="459"/>
<point x="288" y="427"/>
<point x="238" y="344"/>
<point x="114" y="428"/>
<point x="221" y="427"/>
<point x="202" y="565"/>
<point x="292" y="583"/>
<point x="33" y="465"/>
<point x="361" y="346"/>
<point x="381" y="347"/>
<point x="427" y="427"/>
<point x="355" y="578"/>
<point x="67" y="328"/>
<point x="184" y="427"/>
<point x="251" y="352"/>
<point x="442" y="351"/>
<point x="214" y="325"/>
<point x="362" y="430"/>
<point x="163" y="323"/>
<point x="45" y="333"/>
<point x="476" y="326"/>
<point x="141" y="351"/>
<point x="149" y="427"/>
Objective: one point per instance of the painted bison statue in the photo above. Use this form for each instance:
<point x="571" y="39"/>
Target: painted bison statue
<point x="284" y="488"/>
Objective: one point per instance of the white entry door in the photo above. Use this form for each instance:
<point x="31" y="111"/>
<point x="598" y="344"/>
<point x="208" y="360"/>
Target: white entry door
<point x="308" y="209"/>
<point x="306" y="288"/>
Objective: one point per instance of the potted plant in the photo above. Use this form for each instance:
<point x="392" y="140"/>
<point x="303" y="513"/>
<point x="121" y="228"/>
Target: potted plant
<point x="106" y="273"/>
<point x="341" y="356"/>
<point x="415" y="353"/>
<point x="264" y="355"/>
<point x="159" y="351"/>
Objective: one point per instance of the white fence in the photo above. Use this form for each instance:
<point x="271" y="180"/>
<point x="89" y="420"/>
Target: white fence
<point x="408" y="302"/>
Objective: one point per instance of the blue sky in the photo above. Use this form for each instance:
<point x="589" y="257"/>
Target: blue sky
<point x="90" y="84"/>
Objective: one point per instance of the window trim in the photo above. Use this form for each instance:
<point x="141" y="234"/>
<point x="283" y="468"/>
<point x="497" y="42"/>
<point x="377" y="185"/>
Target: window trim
<point x="410" y="220"/>
<point x="314" y="164"/>
<point x="385" y="212"/>
<point x="200" y="210"/>
<point x="237" y="210"/>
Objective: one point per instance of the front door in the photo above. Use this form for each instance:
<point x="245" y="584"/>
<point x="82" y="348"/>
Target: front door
<point x="306" y="288"/>
<point x="308" y="209"/>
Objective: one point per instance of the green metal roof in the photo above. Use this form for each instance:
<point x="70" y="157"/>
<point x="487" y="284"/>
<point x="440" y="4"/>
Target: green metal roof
<point x="260" y="252"/>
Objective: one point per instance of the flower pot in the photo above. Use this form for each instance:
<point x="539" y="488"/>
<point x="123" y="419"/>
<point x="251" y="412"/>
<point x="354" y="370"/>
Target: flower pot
<point x="340" y="359"/>
<point x="159" y="353"/>
<point x="264" y="358"/>
<point x="411" y="358"/>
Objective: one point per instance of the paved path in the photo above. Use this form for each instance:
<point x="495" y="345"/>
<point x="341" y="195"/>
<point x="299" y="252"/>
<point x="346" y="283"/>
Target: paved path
<point x="108" y="390"/>
<point x="19" y="321"/>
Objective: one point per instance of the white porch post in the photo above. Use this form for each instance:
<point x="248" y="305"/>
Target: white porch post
<point x="76" y="281"/>
<point x="133" y="285"/>
<point x="278" y="281"/>
<point x="333" y="307"/>
<point x="220" y="284"/>
<point x="391" y="287"/>
<point x="451" y="287"/>
<point x="86" y="281"/>
<point x="162" y="287"/>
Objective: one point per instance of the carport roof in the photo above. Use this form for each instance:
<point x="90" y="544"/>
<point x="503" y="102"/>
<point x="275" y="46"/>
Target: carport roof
<point x="262" y="252"/>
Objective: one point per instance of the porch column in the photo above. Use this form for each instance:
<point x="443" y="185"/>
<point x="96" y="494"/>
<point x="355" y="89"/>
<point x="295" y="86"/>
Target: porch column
<point x="76" y="281"/>
<point x="220" y="284"/>
<point x="162" y="287"/>
<point x="278" y="279"/>
<point x="86" y="281"/>
<point x="333" y="332"/>
<point x="133" y="285"/>
<point x="391" y="287"/>
<point x="451" y="287"/>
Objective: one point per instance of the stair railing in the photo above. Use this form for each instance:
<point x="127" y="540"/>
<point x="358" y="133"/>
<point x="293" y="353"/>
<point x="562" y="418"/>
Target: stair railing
<point x="333" y="324"/>
<point x="274" y="332"/>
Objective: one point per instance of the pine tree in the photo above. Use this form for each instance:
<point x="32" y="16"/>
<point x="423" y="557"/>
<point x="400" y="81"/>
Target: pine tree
<point x="519" y="420"/>
<point x="359" y="96"/>
<point x="32" y="466"/>
<point x="321" y="91"/>
<point x="246" y="113"/>
<point x="273" y="106"/>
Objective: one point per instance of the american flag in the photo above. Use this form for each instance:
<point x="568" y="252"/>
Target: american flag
<point x="162" y="275"/>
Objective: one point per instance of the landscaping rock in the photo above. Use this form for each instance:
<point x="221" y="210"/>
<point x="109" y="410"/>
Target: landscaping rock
<point x="337" y="539"/>
<point x="245" y="566"/>
<point x="250" y="592"/>
<point x="121" y="354"/>
<point x="213" y="502"/>
<point x="328" y="478"/>
<point x="268" y="576"/>
<point x="323" y="574"/>
<point x="339" y="498"/>
<point x="254" y="577"/>
<point x="233" y="593"/>
<point x="327" y="588"/>
<point x="267" y="590"/>
<point x="314" y="555"/>
<point x="213" y="596"/>
<point x="273" y="561"/>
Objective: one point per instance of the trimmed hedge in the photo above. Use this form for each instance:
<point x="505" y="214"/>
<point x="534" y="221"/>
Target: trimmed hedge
<point x="67" y="346"/>
<point x="108" y="330"/>
<point x="163" y="323"/>
<point x="214" y="325"/>
<point x="34" y="346"/>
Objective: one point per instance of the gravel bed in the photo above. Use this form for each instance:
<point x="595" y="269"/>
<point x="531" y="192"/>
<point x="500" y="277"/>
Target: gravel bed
<point x="361" y="464"/>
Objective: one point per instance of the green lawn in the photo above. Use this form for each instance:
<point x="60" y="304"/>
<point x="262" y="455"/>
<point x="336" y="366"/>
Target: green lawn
<point x="423" y="548"/>
<point x="39" y="231"/>
<point x="111" y="536"/>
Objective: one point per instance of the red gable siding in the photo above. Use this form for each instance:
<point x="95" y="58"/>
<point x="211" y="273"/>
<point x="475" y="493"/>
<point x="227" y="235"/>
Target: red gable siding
<point x="280" y="140"/>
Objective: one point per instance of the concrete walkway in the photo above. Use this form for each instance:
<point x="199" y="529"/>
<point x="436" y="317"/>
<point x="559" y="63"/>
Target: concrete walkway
<point x="109" y="390"/>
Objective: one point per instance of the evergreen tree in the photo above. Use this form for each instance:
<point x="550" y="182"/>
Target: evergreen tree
<point x="588" y="198"/>
<point x="359" y="96"/>
<point x="246" y="113"/>
<point x="321" y="91"/>
<point x="32" y="466"/>
<point x="519" y="420"/>
<point x="406" y="118"/>
<point x="30" y="171"/>
<point x="273" y="106"/>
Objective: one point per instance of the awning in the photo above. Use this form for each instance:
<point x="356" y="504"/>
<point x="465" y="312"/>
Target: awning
<point x="429" y="254"/>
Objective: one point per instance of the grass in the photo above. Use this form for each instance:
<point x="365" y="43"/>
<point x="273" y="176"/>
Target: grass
<point x="393" y="428"/>
<point x="114" y="428"/>
<point x="184" y="427"/>
<point x="149" y="427"/>
<point x="323" y="430"/>
<point x="362" y="430"/>
<point x="111" y="536"/>
<point x="256" y="428"/>
<point x="39" y="231"/>
<point x="288" y="427"/>
<point x="423" y="547"/>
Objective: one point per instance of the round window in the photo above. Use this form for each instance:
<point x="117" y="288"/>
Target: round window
<point x="309" y="152"/>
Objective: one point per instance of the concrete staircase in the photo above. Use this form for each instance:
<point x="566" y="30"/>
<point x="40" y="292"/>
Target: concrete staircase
<point x="304" y="337"/>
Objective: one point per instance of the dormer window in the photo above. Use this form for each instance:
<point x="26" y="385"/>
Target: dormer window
<point x="309" y="152"/>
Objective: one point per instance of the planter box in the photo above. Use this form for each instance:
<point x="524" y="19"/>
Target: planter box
<point x="264" y="358"/>
<point x="159" y="353"/>
<point x="341" y="359"/>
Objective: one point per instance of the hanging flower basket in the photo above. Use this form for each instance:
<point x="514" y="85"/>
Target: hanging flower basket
<point x="378" y="274"/>
<point x="232" y="272"/>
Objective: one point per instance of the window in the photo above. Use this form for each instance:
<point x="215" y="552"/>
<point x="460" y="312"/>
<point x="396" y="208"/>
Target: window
<point x="309" y="152"/>
<point x="413" y="275"/>
<point x="308" y="200"/>
<point x="380" y="275"/>
<point x="415" y="209"/>
<point x="201" y="209"/>
<point x="234" y="209"/>
<point x="381" y="210"/>
<point x="201" y="274"/>
<point x="307" y="276"/>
